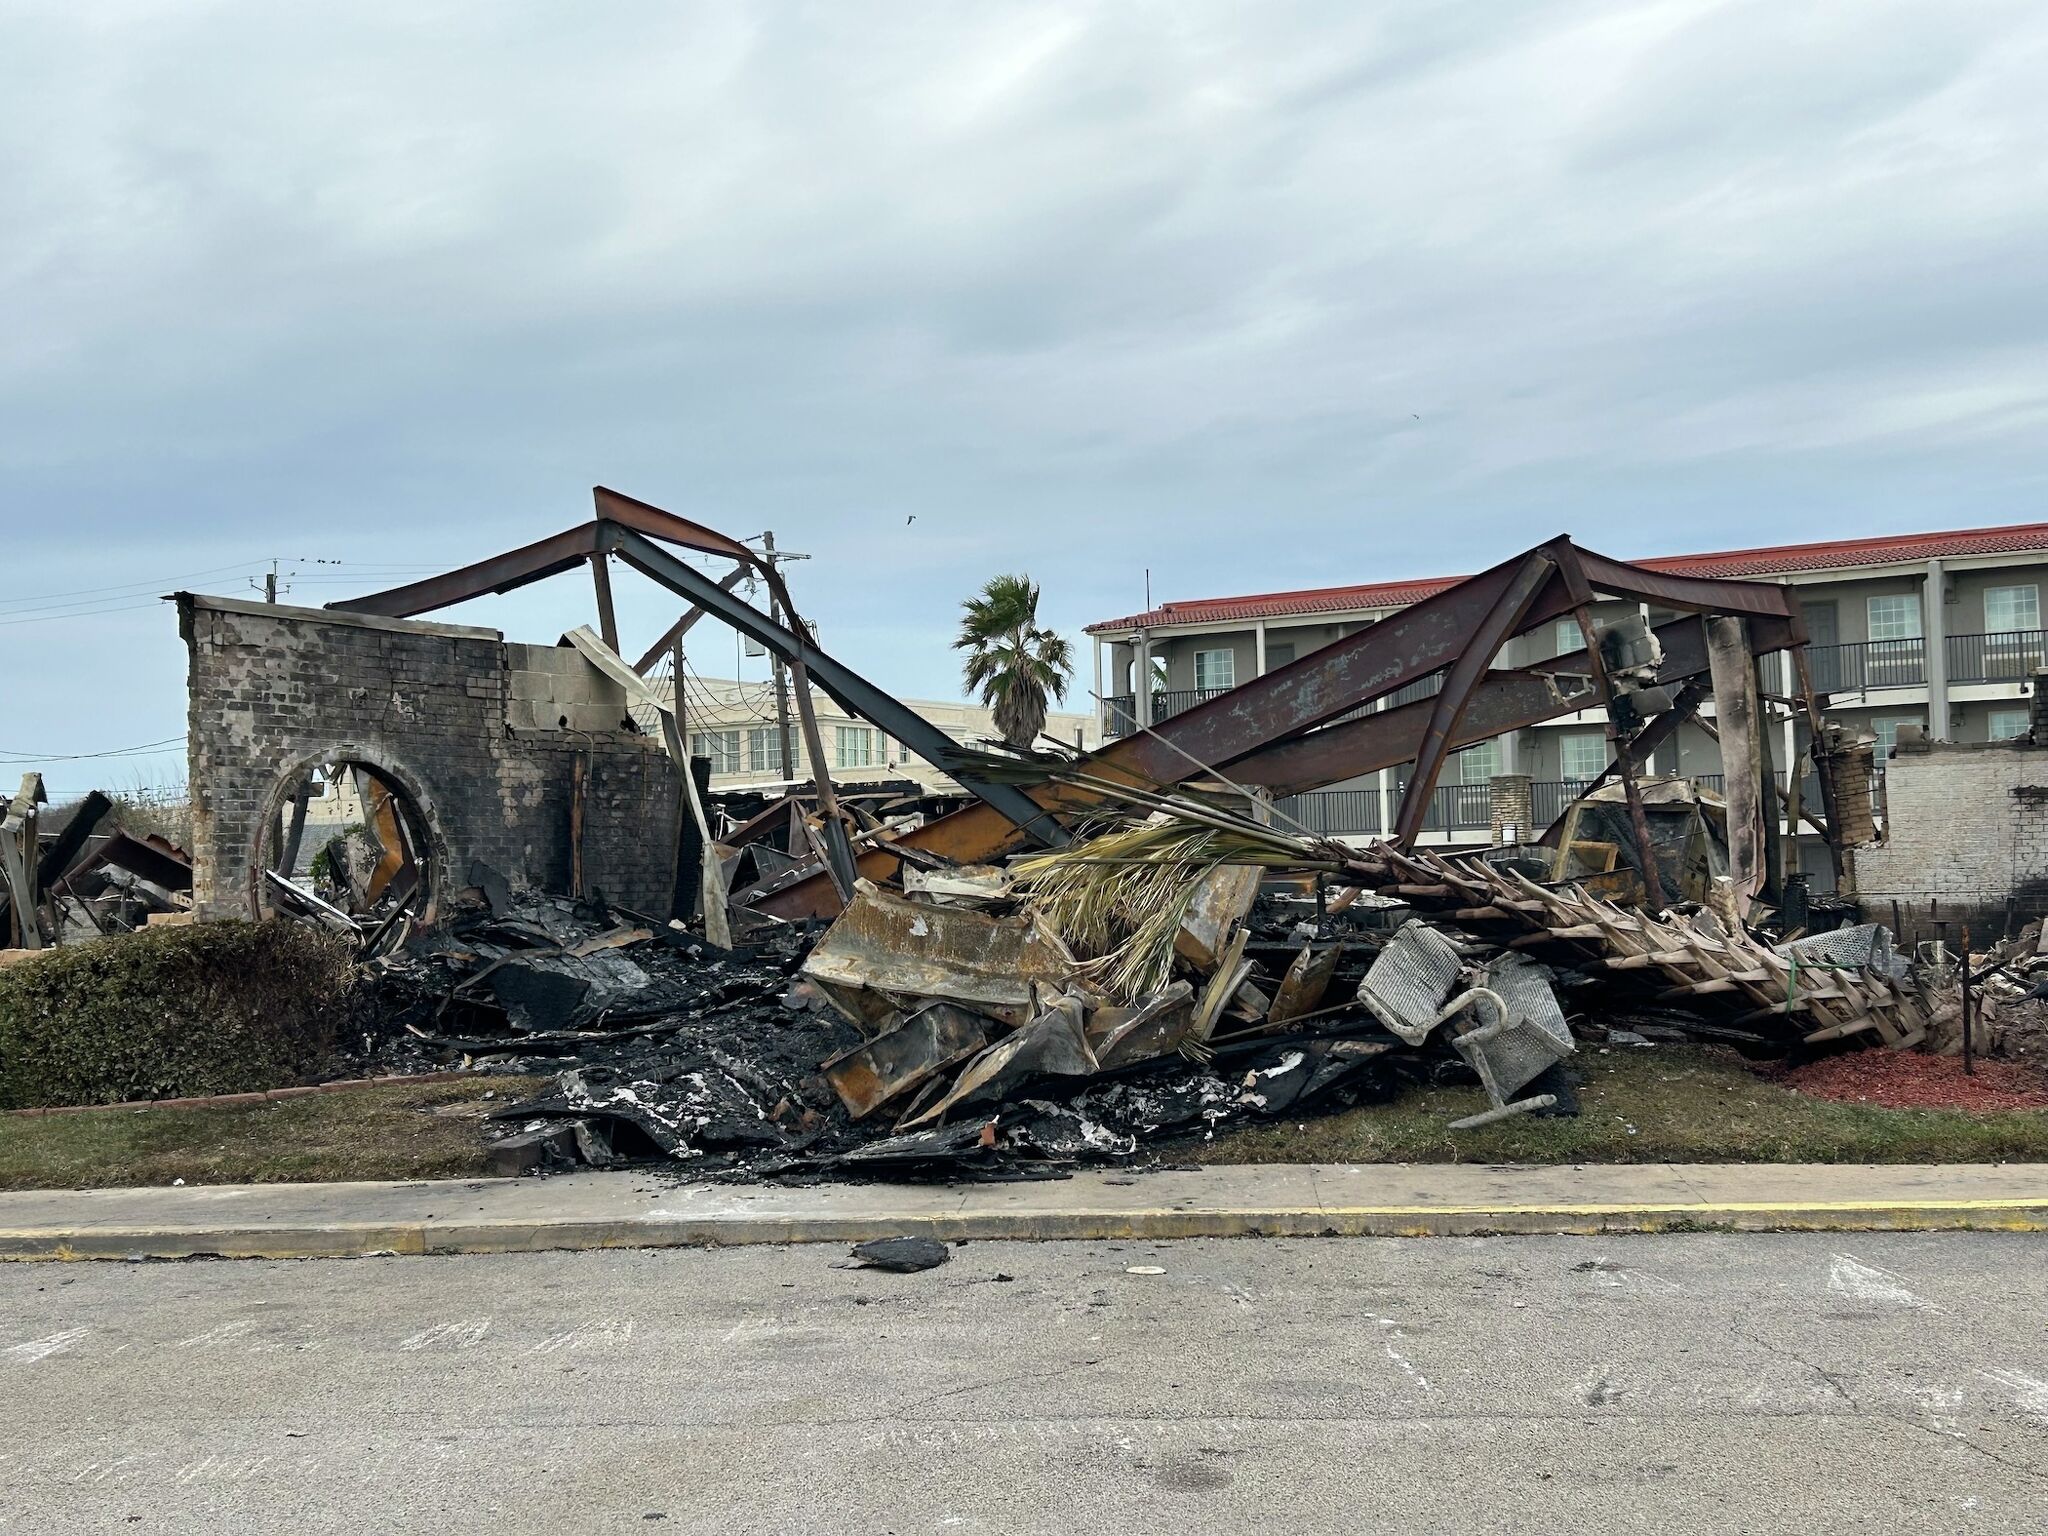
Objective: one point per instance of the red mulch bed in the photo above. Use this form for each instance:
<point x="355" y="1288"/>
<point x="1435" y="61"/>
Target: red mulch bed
<point x="1914" y="1080"/>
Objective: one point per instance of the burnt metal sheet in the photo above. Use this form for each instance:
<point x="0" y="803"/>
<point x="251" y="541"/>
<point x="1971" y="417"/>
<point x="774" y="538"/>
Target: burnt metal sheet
<point x="152" y="859"/>
<point x="1307" y="979"/>
<point x="1053" y="1044"/>
<point x="926" y="1043"/>
<point x="887" y="945"/>
<point x="1153" y="1027"/>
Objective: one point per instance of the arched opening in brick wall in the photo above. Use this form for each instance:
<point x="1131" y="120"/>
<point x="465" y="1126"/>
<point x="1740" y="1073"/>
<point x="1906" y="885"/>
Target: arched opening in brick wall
<point x="348" y="838"/>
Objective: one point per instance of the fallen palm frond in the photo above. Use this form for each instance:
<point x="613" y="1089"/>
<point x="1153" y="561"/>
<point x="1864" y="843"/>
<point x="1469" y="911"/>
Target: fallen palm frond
<point x="1119" y="899"/>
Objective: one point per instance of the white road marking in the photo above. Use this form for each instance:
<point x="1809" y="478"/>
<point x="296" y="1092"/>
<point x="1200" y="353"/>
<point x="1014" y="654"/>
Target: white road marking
<point x="2030" y="1393"/>
<point x="598" y="1331"/>
<point x="1390" y="1331"/>
<point x="221" y="1335"/>
<point x="462" y="1333"/>
<point x="1862" y="1282"/>
<point x="41" y="1349"/>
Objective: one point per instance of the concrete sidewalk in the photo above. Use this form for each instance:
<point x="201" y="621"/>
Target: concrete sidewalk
<point x="603" y="1210"/>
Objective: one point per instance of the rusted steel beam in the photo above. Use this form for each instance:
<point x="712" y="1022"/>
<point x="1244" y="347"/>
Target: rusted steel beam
<point x="645" y="517"/>
<point x="501" y="573"/>
<point x="686" y="623"/>
<point x="841" y="682"/>
<point x="1314" y="689"/>
<point x="1481" y="645"/>
<point x="1506" y="701"/>
<point x="607" y="615"/>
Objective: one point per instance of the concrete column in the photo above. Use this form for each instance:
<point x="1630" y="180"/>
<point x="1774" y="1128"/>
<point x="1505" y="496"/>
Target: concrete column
<point x="1934" y="626"/>
<point x="1511" y="752"/>
<point x="1141" y="678"/>
<point x="1388" y="797"/>
<point x="1101" y="702"/>
<point x="1259" y="648"/>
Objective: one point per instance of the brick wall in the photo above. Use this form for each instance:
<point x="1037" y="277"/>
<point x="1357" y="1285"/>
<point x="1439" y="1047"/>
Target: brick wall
<point x="275" y="689"/>
<point x="1967" y="828"/>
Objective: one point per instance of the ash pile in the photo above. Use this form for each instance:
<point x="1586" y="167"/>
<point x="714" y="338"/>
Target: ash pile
<point x="1131" y="992"/>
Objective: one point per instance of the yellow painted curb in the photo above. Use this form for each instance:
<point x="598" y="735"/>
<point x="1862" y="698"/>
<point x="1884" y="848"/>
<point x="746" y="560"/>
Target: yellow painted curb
<point x="359" y="1240"/>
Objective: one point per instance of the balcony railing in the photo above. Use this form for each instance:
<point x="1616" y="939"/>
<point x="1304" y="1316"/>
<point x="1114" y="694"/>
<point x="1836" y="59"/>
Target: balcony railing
<point x="1868" y="664"/>
<point x="1120" y="711"/>
<point x="2012" y="656"/>
<point x="1332" y="812"/>
<point x="1468" y="807"/>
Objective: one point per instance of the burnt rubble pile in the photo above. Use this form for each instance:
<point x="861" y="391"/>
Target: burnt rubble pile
<point x="1181" y="968"/>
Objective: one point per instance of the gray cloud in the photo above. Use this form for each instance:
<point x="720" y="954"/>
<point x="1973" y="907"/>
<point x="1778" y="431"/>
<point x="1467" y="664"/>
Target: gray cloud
<point x="1257" y="296"/>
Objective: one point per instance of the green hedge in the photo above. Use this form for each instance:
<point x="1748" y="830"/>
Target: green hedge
<point x="172" y="1013"/>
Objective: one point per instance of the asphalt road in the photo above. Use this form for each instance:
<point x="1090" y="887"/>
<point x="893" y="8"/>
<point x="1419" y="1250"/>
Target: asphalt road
<point x="1667" y="1384"/>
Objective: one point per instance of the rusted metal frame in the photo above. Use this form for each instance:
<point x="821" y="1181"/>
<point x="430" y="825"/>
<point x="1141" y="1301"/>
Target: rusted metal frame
<point x="1841" y="856"/>
<point x="1270" y="710"/>
<point x="550" y="556"/>
<point x="501" y="573"/>
<point x="1482" y="644"/>
<point x="844" y="685"/>
<point x="607" y="615"/>
<point x="1642" y="746"/>
<point x="1505" y="701"/>
<point x="1579" y="583"/>
<point x="1694" y="594"/>
<point x="686" y="623"/>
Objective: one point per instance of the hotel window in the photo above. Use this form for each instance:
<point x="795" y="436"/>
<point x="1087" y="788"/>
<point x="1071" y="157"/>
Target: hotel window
<point x="1582" y="755"/>
<point x="764" y="750"/>
<point x="1896" y="617"/>
<point x="1887" y="729"/>
<point x="1479" y="762"/>
<point x="722" y="747"/>
<point x="856" y="746"/>
<point x="2008" y="724"/>
<point x="2012" y="610"/>
<point x="1278" y="654"/>
<point x="1567" y="637"/>
<point x="1215" y="669"/>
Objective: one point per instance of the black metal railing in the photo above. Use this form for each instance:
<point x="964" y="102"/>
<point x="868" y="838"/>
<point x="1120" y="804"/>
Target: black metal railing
<point x="2009" y="656"/>
<point x="1868" y="664"/>
<point x="1332" y="812"/>
<point x="1120" y="711"/>
<point x="1469" y="807"/>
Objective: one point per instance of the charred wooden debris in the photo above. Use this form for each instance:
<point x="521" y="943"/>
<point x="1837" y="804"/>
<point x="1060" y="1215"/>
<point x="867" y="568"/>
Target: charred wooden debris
<point x="73" y="872"/>
<point x="1102" y="952"/>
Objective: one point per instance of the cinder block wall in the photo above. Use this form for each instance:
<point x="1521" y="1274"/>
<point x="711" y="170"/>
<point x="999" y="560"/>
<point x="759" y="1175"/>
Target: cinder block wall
<point x="272" y="689"/>
<point x="1967" y="827"/>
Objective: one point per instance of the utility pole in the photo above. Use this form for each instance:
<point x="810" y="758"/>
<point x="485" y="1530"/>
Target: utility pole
<point x="775" y="557"/>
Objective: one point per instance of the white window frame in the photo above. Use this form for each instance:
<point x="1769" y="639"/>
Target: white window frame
<point x="764" y="749"/>
<point x="1481" y="754"/>
<point x="1572" y="739"/>
<point x="2017" y="717"/>
<point x="862" y="736"/>
<point x="1887" y="729"/>
<point x="722" y="746"/>
<point x="1206" y="665"/>
<point x="1566" y="637"/>
<point x="1888" y="628"/>
<point x="2032" y="605"/>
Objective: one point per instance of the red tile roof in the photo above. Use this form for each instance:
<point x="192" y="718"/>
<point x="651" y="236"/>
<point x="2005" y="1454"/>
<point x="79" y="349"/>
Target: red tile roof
<point x="1777" y="560"/>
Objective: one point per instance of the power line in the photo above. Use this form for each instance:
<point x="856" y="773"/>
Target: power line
<point x="8" y="754"/>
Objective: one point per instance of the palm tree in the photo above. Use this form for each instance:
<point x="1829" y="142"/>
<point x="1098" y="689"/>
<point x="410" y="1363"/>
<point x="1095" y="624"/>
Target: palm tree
<point x="1016" y="667"/>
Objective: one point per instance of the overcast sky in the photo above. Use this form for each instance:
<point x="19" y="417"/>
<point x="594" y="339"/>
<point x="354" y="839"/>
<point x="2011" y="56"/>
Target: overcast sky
<point x="1259" y="296"/>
